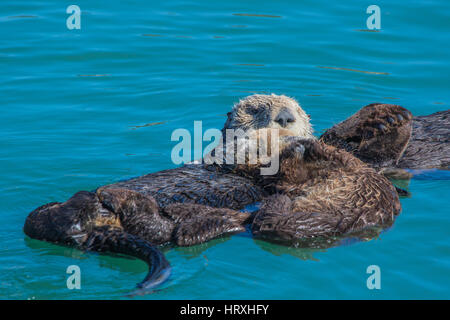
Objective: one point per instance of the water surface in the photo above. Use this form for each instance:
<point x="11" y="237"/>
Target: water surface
<point x="83" y="108"/>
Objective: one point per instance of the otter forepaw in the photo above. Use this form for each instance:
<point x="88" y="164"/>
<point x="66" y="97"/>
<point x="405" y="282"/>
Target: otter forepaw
<point x="377" y="134"/>
<point x="300" y="148"/>
<point x="381" y="119"/>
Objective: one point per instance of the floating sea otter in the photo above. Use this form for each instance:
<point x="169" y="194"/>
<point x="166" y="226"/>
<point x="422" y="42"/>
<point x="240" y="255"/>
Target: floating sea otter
<point x="320" y="193"/>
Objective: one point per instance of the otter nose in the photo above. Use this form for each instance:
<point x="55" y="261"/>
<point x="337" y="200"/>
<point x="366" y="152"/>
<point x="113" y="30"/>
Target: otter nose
<point x="284" y="117"/>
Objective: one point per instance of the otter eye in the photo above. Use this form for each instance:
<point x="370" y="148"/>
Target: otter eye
<point x="253" y="111"/>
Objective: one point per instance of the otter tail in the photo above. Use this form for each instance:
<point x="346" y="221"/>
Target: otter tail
<point x="106" y="239"/>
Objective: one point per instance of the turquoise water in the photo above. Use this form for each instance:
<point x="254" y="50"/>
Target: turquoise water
<point x="83" y="108"/>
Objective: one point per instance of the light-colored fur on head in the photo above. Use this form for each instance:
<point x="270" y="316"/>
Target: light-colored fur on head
<point x="260" y="111"/>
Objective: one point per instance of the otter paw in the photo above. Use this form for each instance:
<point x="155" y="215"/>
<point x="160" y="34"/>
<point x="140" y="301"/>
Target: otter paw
<point x="381" y="119"/>
<point x="301" y="148"/>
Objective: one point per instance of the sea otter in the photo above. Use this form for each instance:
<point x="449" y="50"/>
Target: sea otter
<point x="195" y="203"/>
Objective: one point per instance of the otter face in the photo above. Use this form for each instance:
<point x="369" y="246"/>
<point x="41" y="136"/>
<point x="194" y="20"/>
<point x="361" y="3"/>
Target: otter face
<point x="269" y="111"/>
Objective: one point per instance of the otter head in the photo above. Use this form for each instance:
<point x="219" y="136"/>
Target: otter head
<point x="269" y="111"/>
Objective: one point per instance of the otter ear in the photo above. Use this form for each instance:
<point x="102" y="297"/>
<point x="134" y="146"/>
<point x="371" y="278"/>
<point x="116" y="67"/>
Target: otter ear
<point x="228" y="121"/>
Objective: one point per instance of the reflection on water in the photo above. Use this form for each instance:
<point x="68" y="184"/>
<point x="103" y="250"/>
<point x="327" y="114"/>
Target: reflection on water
<point x="22" y="17"/>
<point x="367" y="30"/>
<point x="431" y="174"/>
<point x="353" y="70"/>
<point x="250" y="64"/>
<point x="255" y="15"/>
<point x="148" y="125"/>
<point x="46" y="248"/>
<point x="278" y="250"/>
<point x="94" y="75"/>
<point x="197" y="250"/>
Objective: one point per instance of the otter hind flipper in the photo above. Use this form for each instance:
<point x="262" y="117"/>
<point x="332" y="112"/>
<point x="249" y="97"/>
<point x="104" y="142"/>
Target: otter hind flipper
<point x="199" y="223"/>
<point x="107" y="239"/>
<point x="378" y="134"/>
<point x="277" y="222"/>
<point x="200" y="230"/>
